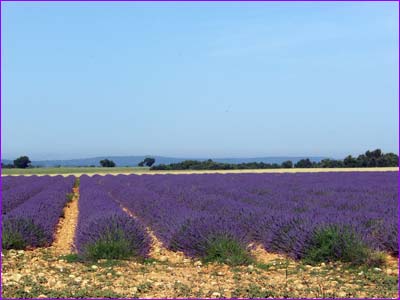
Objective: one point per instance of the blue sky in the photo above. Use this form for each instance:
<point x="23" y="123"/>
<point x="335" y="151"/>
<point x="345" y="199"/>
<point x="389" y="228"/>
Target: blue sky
<point x="199" y="79"/>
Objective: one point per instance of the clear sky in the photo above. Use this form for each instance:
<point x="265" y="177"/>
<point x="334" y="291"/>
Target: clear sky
<point x="199" y="79"/>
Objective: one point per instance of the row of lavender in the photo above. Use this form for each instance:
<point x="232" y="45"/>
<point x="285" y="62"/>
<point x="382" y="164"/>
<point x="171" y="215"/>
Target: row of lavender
<point x="31" y="208"/>
<point x="104" y="230"/>
<point x="280" y="211"/>
<point x="17" y="189"/>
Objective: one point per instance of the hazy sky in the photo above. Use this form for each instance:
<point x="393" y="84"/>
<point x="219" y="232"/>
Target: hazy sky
<point x="199" y="79"/>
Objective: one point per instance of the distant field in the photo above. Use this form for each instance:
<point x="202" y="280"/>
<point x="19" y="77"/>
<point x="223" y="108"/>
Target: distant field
<point x="138" y="170"/>
<point x="74" y="170"/>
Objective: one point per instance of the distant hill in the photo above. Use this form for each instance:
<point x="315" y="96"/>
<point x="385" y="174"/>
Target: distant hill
<point x="132" y="161"/>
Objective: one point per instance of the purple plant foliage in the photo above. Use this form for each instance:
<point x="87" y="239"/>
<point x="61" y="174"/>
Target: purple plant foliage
<point x="9" y="182"/>
<point x="21" y="188"/>
<point x="36" y="218"/>
<point x="100" y="214"/>
<point x="279" y="211"/>
<point x="195" y="235"/>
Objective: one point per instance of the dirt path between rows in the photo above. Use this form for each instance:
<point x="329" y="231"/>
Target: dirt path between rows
<point x="64" y="240"/>
<point x="158" y="251"/>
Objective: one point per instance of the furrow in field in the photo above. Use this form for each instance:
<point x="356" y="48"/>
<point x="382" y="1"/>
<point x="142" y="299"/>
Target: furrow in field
<point x="157" y="249"/>
<point x="64" y="240"/>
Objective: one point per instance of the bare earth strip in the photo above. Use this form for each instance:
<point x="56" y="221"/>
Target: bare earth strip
<point x="293" y="170"/>
<point x="40" y="273"/>
<point x="64" y="240"/>
<point x="157" y="250"/>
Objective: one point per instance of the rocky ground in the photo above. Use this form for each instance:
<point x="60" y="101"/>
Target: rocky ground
<point x="43" y="273"/>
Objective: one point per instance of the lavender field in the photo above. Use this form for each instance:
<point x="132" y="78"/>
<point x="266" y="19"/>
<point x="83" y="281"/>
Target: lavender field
<point x="307" y="235"/>
<point x="31" y="209"/>
<point x="282" y="212"/>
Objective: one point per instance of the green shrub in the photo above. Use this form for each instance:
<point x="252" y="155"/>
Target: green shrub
<point x="226" y="250"/>
<point x="376" y="259"/>
<point x="334" y="243"/>
<point x="113" y="245"/>
<point x="70" y="196"/>
<point x="77" y="182"/>
<point x="13" y="240"/>
<point x="20" y="233"/>
<point x="70" y="258"/>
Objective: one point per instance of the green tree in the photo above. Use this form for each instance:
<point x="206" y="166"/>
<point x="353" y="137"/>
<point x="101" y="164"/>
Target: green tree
<point x="374" y="154"/>
<point x="148" y="161"/>
<point x="330" y="163"/>
<point x="376" y="159"/>
<point x="390" y="160"/>
<point x="106" y="163"/>
<point x="350" y="162"/>
<point x="362" y="161"/>
<point x="304" y="163"/>
<point x="22" y="162"/>
<point x="287" y="164"/>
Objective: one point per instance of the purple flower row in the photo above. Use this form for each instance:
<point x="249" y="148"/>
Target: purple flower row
<point x="101" y="219"/>
<point x="33" y="222"/>
<point x="279" y="211"/>
<point x="18" y="189"/>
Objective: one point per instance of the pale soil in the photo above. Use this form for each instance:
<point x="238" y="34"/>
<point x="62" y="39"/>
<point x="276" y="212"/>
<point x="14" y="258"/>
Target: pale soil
<point x="157" y="251"/>
<point x="64" y="240"/>
<point x="294" y="170"/>
<point x="42" y="273"/>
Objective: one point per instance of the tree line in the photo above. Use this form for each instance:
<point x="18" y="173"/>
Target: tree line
<point x="148" y="162"/>
<point x="23" y="162"/>
<point x="374" y="158"/>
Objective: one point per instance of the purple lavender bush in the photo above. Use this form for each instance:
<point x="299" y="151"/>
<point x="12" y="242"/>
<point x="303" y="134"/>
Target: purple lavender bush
<point x="104" y="230"/>
<point x="21" y="188"/>
<point x="212" y="239"/>
<point x="33" y="223"/>
<point x="338" y="243"/>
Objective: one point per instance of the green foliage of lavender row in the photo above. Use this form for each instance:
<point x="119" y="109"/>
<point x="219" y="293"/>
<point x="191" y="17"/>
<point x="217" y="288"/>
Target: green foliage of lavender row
<point x="329" y="244"/>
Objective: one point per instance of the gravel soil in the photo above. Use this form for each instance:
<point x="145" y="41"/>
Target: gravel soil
<point x="44" y="273"/>
<point x="64" y="240"/>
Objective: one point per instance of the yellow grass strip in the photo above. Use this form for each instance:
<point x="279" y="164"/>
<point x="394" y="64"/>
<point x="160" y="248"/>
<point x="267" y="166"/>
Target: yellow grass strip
<point x="293" y="170"/>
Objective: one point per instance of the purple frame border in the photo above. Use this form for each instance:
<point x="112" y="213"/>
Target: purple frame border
<point x="201" y="1"/>
<point x="398" y="102"/>
<point x="398" y="140"/>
